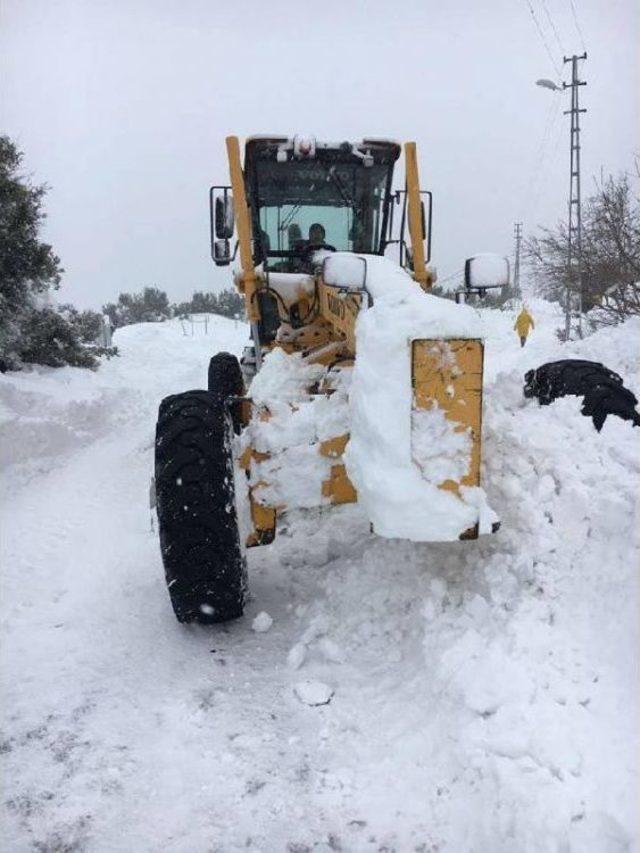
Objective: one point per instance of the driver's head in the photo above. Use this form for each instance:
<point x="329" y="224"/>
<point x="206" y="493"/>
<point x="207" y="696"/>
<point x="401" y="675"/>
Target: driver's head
<point x="316" y="234"/>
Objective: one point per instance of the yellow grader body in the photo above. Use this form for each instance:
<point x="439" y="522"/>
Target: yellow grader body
<point x="452" y="384"/>
<point x="357" y="386"/>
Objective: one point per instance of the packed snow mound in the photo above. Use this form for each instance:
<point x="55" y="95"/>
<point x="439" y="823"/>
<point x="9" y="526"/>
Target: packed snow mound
<point x="386" y="281"/>
<point x="402" y="499"/>
<point x="283" y="378"/>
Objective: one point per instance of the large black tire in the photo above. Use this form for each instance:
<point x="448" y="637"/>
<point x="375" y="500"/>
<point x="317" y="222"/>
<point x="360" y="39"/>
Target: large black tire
<point x="225" y="380"/>
<point x="199" y="537"/>
<point x="225" y="376"/>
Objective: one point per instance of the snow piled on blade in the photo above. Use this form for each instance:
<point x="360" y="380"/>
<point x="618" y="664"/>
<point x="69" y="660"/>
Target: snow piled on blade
<point x="289" y="430"/>
<point x="439" y="452"/>
<point x="402" y="498"/>
<point x="283" y="378"/>
<point x="484" y="694"/>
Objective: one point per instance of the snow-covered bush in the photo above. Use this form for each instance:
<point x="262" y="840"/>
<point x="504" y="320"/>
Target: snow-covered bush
<point x="227" y="303"/>
<point x="151" y="305"/>
<point x="48" y="337"/>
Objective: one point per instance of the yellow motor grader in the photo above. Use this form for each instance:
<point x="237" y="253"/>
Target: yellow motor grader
<point x="296" y="206"/>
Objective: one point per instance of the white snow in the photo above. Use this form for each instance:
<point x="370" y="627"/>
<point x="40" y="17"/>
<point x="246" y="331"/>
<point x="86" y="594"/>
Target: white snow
<point x="291" y="432"/>
<point x="398" y="487"/>
<point x="262" y="622"/>
<point x="439" y="452"/>
<point x="313" y="692"/>
<point x="296" y="655"/>
<point x="486" y="697"/>
<point x="283" y="378"/>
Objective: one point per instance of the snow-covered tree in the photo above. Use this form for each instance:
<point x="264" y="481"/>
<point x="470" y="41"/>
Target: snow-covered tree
<point x="610" y="253"/>
<point x="31" y="331"/>
<point x="151" y="305"/>
<point x="227" y="303"/>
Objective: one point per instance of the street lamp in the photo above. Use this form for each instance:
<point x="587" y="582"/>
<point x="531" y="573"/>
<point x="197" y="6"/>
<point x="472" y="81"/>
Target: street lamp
<point x="545" y="83"/>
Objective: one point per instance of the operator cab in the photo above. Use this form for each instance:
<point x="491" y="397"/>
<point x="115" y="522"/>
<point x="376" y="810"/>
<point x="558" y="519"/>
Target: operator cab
<point x="305" y="196"/>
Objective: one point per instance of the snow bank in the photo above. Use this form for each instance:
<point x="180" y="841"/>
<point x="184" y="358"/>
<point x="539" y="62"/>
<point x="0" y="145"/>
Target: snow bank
<point x="503" y="672"/>
<point x="47" y="414"/>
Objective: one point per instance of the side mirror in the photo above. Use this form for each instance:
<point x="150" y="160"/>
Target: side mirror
<point x="486" y="270"/>
<point x="224" y="216"/>
<point x="221" y="253"/>
<point x="345" y="271"/>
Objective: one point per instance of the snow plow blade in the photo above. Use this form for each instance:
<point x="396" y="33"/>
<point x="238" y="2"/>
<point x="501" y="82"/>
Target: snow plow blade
<point x="446" y="375"/>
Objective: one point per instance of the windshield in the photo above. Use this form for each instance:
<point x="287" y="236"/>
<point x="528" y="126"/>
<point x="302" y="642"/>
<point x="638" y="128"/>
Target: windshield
<point x="302" y="204"/>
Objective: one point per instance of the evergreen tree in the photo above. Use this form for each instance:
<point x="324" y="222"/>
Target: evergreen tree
<point x="30" y="330"/>
<point x="149" y="306"/>
<point x="227" y="303"/>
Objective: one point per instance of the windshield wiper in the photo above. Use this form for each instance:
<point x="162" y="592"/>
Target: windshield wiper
<point x="286" y="221"/>
<point x="331" y="175"/>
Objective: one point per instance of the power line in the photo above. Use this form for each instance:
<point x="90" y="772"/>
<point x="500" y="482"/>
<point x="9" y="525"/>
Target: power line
<point x="541" y="156"/>
<point x="542" y="37"/>
<point x="553" y="26"/>
<point x="451" y="276"/>
<point x="547" y="157"/>
<point x="577" y="23"/>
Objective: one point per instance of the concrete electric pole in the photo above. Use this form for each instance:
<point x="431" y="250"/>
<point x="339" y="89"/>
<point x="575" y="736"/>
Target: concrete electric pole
<point x="517" y="233"/>
<point x="574" y="250"/>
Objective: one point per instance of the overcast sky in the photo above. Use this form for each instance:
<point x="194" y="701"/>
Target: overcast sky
<point x="122" y="107"/>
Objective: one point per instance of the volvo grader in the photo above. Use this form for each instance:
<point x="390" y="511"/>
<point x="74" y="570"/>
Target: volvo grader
<point x="292" y="206"/>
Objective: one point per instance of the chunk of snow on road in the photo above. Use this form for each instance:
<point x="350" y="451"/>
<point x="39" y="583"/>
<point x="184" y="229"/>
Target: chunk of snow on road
<point x="296" y="655"/>
<point x="313" y="692"/>
<point x="262" y="622"/>
<point x="330" y="650"/>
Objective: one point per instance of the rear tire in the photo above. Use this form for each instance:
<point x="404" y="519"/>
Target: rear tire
<point x="199" y="538"/>
<point x="225" y="376"/>
<point x="225" y="380"/>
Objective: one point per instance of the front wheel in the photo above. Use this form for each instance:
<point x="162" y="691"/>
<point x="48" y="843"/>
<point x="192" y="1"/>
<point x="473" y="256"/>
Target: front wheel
<point x="199" y="538"/>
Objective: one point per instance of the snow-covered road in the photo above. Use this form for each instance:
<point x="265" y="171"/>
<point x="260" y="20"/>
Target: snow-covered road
<point x="485" y="693"/>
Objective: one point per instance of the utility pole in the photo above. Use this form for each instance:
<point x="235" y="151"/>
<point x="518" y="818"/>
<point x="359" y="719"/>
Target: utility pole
<point x="575" y="217"/>
<point x="517" y="233"/>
